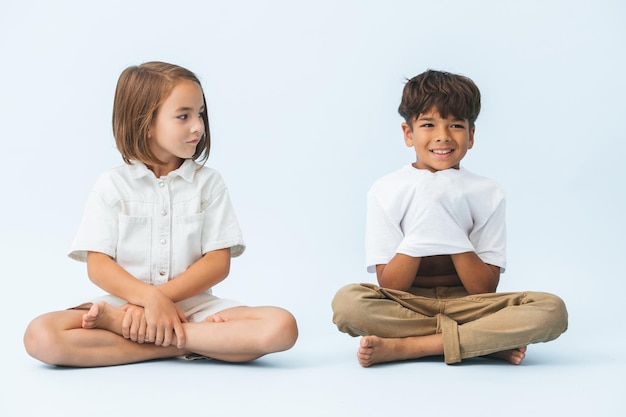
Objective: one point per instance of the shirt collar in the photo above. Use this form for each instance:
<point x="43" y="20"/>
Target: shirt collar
<point x="186" y="171"/>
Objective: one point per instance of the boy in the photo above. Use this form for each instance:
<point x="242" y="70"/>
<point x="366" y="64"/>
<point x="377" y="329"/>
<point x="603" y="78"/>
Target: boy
<point x="436" y="240"/>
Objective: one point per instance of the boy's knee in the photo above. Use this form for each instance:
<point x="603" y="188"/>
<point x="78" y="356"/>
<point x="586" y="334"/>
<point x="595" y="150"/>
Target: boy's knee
<point x="555" y="312"/>
<point x="348" y="308"/>
<point x="559" y="312"/>
<point x="344" y="300"/>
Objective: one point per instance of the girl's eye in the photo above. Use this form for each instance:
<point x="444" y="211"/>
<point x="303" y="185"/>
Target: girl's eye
<point x="183" y="117"/>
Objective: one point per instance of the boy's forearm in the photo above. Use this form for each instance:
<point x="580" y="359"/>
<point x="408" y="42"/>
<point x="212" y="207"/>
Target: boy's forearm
<point x="476" y="276"/>
<point x="399" y="273"/>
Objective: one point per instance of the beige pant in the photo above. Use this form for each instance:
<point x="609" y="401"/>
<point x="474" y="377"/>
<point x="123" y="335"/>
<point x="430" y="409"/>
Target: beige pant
<point x="471" y="325"/>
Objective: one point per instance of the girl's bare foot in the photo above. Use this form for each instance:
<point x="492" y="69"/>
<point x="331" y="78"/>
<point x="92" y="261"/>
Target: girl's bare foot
<point x="513" y="356"/>
<point x="103" y="316"/>
<point x="216" y="318"/>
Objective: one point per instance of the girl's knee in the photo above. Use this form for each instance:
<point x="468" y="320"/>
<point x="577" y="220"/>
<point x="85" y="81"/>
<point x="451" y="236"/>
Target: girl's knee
<point x="283" y="333"/>
<point x="289" y="330"/>
<point x="45" y="337"/>
<point x="40" y="340"/>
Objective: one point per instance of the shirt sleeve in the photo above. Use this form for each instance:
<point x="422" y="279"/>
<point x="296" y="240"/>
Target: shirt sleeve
<point x="97" y="231"/>
<point x="489" y="238"/>
<point x="220" y="227"/>
<point x="382" y="235"/>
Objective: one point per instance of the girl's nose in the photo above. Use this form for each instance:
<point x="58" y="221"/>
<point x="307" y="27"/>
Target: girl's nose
<point x="198" y="127"/>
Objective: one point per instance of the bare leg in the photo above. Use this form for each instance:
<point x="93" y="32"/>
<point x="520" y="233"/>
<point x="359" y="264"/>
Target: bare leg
<point x="374" y="349"/>
<point x="237" y="334"/>
<point x="241" y="334"/>
<point x="93" y="338"/>
<point x="58" y="338"/>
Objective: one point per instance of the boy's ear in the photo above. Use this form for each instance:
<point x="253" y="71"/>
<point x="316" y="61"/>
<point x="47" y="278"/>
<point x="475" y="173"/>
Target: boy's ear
<point x="408" y="134"/>
<point x="471" y="137"/>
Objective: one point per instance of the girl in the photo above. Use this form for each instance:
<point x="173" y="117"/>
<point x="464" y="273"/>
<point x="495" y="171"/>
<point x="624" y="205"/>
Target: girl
<point x="157" y="234"/>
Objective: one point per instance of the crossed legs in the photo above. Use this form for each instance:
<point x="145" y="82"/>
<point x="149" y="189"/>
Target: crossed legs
<point x="93" y="338"/>
<point x="398" y="325"/>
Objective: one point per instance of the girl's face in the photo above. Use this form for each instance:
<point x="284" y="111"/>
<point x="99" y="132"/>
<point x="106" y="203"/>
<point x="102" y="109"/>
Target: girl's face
<point x="178" y="125"/>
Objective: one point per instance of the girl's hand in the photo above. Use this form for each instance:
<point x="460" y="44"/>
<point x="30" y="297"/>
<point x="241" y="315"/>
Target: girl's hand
<point x="164" y="322"/>
<point x="134" y="323"/>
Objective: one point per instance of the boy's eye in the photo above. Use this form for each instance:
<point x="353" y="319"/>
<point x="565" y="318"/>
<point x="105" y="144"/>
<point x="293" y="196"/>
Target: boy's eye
<point x="427" y="125"/>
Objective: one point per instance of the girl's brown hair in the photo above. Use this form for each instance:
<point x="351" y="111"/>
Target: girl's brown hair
<point x="450" y="94"/>
<point x="139" y="93"/>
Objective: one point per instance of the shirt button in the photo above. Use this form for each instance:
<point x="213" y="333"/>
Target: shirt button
<point x="163" y="212"/>
<point x="163" y="241"/>
<point x="161" y="184"/>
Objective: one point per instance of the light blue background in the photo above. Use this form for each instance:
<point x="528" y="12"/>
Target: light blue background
<point x="302" y="102"/>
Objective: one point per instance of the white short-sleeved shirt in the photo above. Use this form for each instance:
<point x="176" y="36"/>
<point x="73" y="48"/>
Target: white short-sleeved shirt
<point x="421" y="213"/>
<point x="155" y="228"/>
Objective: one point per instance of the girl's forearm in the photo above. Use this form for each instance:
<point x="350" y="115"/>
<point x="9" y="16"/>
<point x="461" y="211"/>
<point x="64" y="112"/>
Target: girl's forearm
<point x="112" y="278"/>
<point x="206" y="272"/>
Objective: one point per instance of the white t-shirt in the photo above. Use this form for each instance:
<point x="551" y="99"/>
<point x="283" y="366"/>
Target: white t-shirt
<point x="155" y="228"/>
<point x="421" y="213"/>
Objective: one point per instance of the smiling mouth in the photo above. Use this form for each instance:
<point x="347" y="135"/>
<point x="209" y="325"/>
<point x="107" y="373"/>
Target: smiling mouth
<point x="441" y="151"/>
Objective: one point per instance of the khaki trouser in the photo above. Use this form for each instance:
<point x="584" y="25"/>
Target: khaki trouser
<point x="471" y="325"/>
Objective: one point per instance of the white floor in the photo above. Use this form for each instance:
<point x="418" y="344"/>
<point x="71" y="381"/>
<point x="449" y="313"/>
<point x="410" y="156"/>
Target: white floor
<point x="580" y="373"/>
<point x="320" y="377"/>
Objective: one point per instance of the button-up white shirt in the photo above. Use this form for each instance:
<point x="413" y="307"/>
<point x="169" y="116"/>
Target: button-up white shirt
<point x="155" y="228"/>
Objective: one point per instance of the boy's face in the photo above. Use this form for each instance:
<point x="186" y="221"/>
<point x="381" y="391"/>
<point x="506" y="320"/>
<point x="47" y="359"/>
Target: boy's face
<point x="439" y="143"/>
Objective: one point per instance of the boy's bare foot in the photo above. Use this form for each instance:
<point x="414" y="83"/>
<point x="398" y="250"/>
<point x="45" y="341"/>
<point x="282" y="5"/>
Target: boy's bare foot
<point x="513" y="356"/>
<point x="374" y="349"/>
<point x="103" y="316"/>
